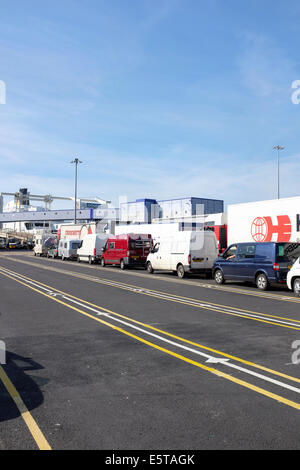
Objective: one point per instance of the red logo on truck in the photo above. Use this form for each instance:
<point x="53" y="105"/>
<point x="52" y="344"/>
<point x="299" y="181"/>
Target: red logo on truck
<point x="262" y="229"/>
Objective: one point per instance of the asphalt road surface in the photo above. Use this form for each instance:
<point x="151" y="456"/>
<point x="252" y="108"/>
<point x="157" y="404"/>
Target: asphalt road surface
<point x="99" y="358"/>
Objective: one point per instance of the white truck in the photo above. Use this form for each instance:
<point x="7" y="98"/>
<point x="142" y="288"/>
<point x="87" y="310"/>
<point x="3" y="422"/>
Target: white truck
<point x="276" y="220"/>
<point x="184" y="252"/>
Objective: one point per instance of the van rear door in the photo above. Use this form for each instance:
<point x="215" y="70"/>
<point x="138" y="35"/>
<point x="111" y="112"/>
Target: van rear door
<point x="282" y="261"/>
<point x="139" y="248"/>
<point x="197" y="251"/>
<point x="211" y="249"/>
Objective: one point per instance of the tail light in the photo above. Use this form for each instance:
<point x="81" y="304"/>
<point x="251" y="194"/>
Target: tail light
<point x="276" y="267"/>
<point x="94" y="251"/>
<point x="189" y="259"/>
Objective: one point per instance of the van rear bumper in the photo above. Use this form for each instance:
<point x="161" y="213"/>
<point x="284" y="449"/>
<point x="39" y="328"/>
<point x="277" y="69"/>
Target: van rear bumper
<point x="134" y="261"/>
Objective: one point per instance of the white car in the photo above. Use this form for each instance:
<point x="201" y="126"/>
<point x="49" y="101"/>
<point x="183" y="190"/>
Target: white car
<point x="293" y="277"/>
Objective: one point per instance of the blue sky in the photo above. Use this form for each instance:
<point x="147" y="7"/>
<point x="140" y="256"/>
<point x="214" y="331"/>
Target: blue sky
<point x="159" y="98"/>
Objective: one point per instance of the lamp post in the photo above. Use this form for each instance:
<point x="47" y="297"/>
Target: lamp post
<point x="278" y="148"/>
<point x="76" y="161"/>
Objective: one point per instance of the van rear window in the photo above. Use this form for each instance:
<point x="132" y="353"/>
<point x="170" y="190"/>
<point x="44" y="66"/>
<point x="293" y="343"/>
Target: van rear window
<point x="280" y="252"/>
<point x="135" y="244"/>
<point x="76" y="245"/>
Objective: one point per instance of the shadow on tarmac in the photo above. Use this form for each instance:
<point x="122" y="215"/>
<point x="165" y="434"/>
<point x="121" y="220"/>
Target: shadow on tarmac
<point x="28" y="386"/>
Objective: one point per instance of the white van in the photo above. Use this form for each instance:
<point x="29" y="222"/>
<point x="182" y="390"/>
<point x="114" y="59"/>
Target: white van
<point x="67" y="249"/>
<point x="91" y="248"/>
<point x="293" y="277"/>
<point x="184" y="252"/>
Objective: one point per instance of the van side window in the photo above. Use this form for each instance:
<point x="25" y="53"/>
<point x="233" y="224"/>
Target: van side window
<point x="231" y="252"/>
<point x="264" y="251"/>
<point x="246" y="251"/>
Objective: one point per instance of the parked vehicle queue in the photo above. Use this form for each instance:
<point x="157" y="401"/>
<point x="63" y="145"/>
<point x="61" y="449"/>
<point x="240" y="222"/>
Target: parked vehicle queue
<point x="264" y="264"/>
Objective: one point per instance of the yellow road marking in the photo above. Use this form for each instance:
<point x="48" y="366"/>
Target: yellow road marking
<point x="266" y="369"/>
<point x="237" y="290"/>
<point x="243" y="383"/>
<point x="35" y="431"/>
<point x="185" y="300"/>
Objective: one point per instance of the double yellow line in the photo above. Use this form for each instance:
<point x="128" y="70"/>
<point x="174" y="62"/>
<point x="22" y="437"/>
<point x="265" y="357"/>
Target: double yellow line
<point x="227" y="288"/>
<point x="196" y="303"/>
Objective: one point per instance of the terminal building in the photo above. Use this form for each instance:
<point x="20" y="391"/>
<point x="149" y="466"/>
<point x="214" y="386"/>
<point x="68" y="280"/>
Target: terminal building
<point x="270" y="220"/>
<point x="148" y="210"/>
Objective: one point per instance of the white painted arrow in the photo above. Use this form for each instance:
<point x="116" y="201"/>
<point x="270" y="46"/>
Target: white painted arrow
<point x="216" y="360"/>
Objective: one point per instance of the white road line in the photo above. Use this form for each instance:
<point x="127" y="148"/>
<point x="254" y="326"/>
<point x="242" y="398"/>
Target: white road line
<point x="173" y="343"/>
<point x="228" y="289"/>
<point x="195" y="303"/>
<point x="199" y="303"/>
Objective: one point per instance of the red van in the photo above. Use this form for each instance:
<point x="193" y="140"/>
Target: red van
<point x="125" y="250"/>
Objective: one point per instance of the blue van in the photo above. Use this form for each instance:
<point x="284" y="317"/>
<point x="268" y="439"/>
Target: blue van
<point x="262" y="263"/>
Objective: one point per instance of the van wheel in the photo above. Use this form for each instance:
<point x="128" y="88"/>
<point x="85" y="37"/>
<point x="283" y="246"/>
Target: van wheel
<point x="149" y="268"/>
<point x="296" y="286"/>
<point x="122" y="264"/>
<point x="180" y="271"/>
<point x="262" y="282"/>
<point x="219" y="277"/>
<point x="102" y="262"/>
